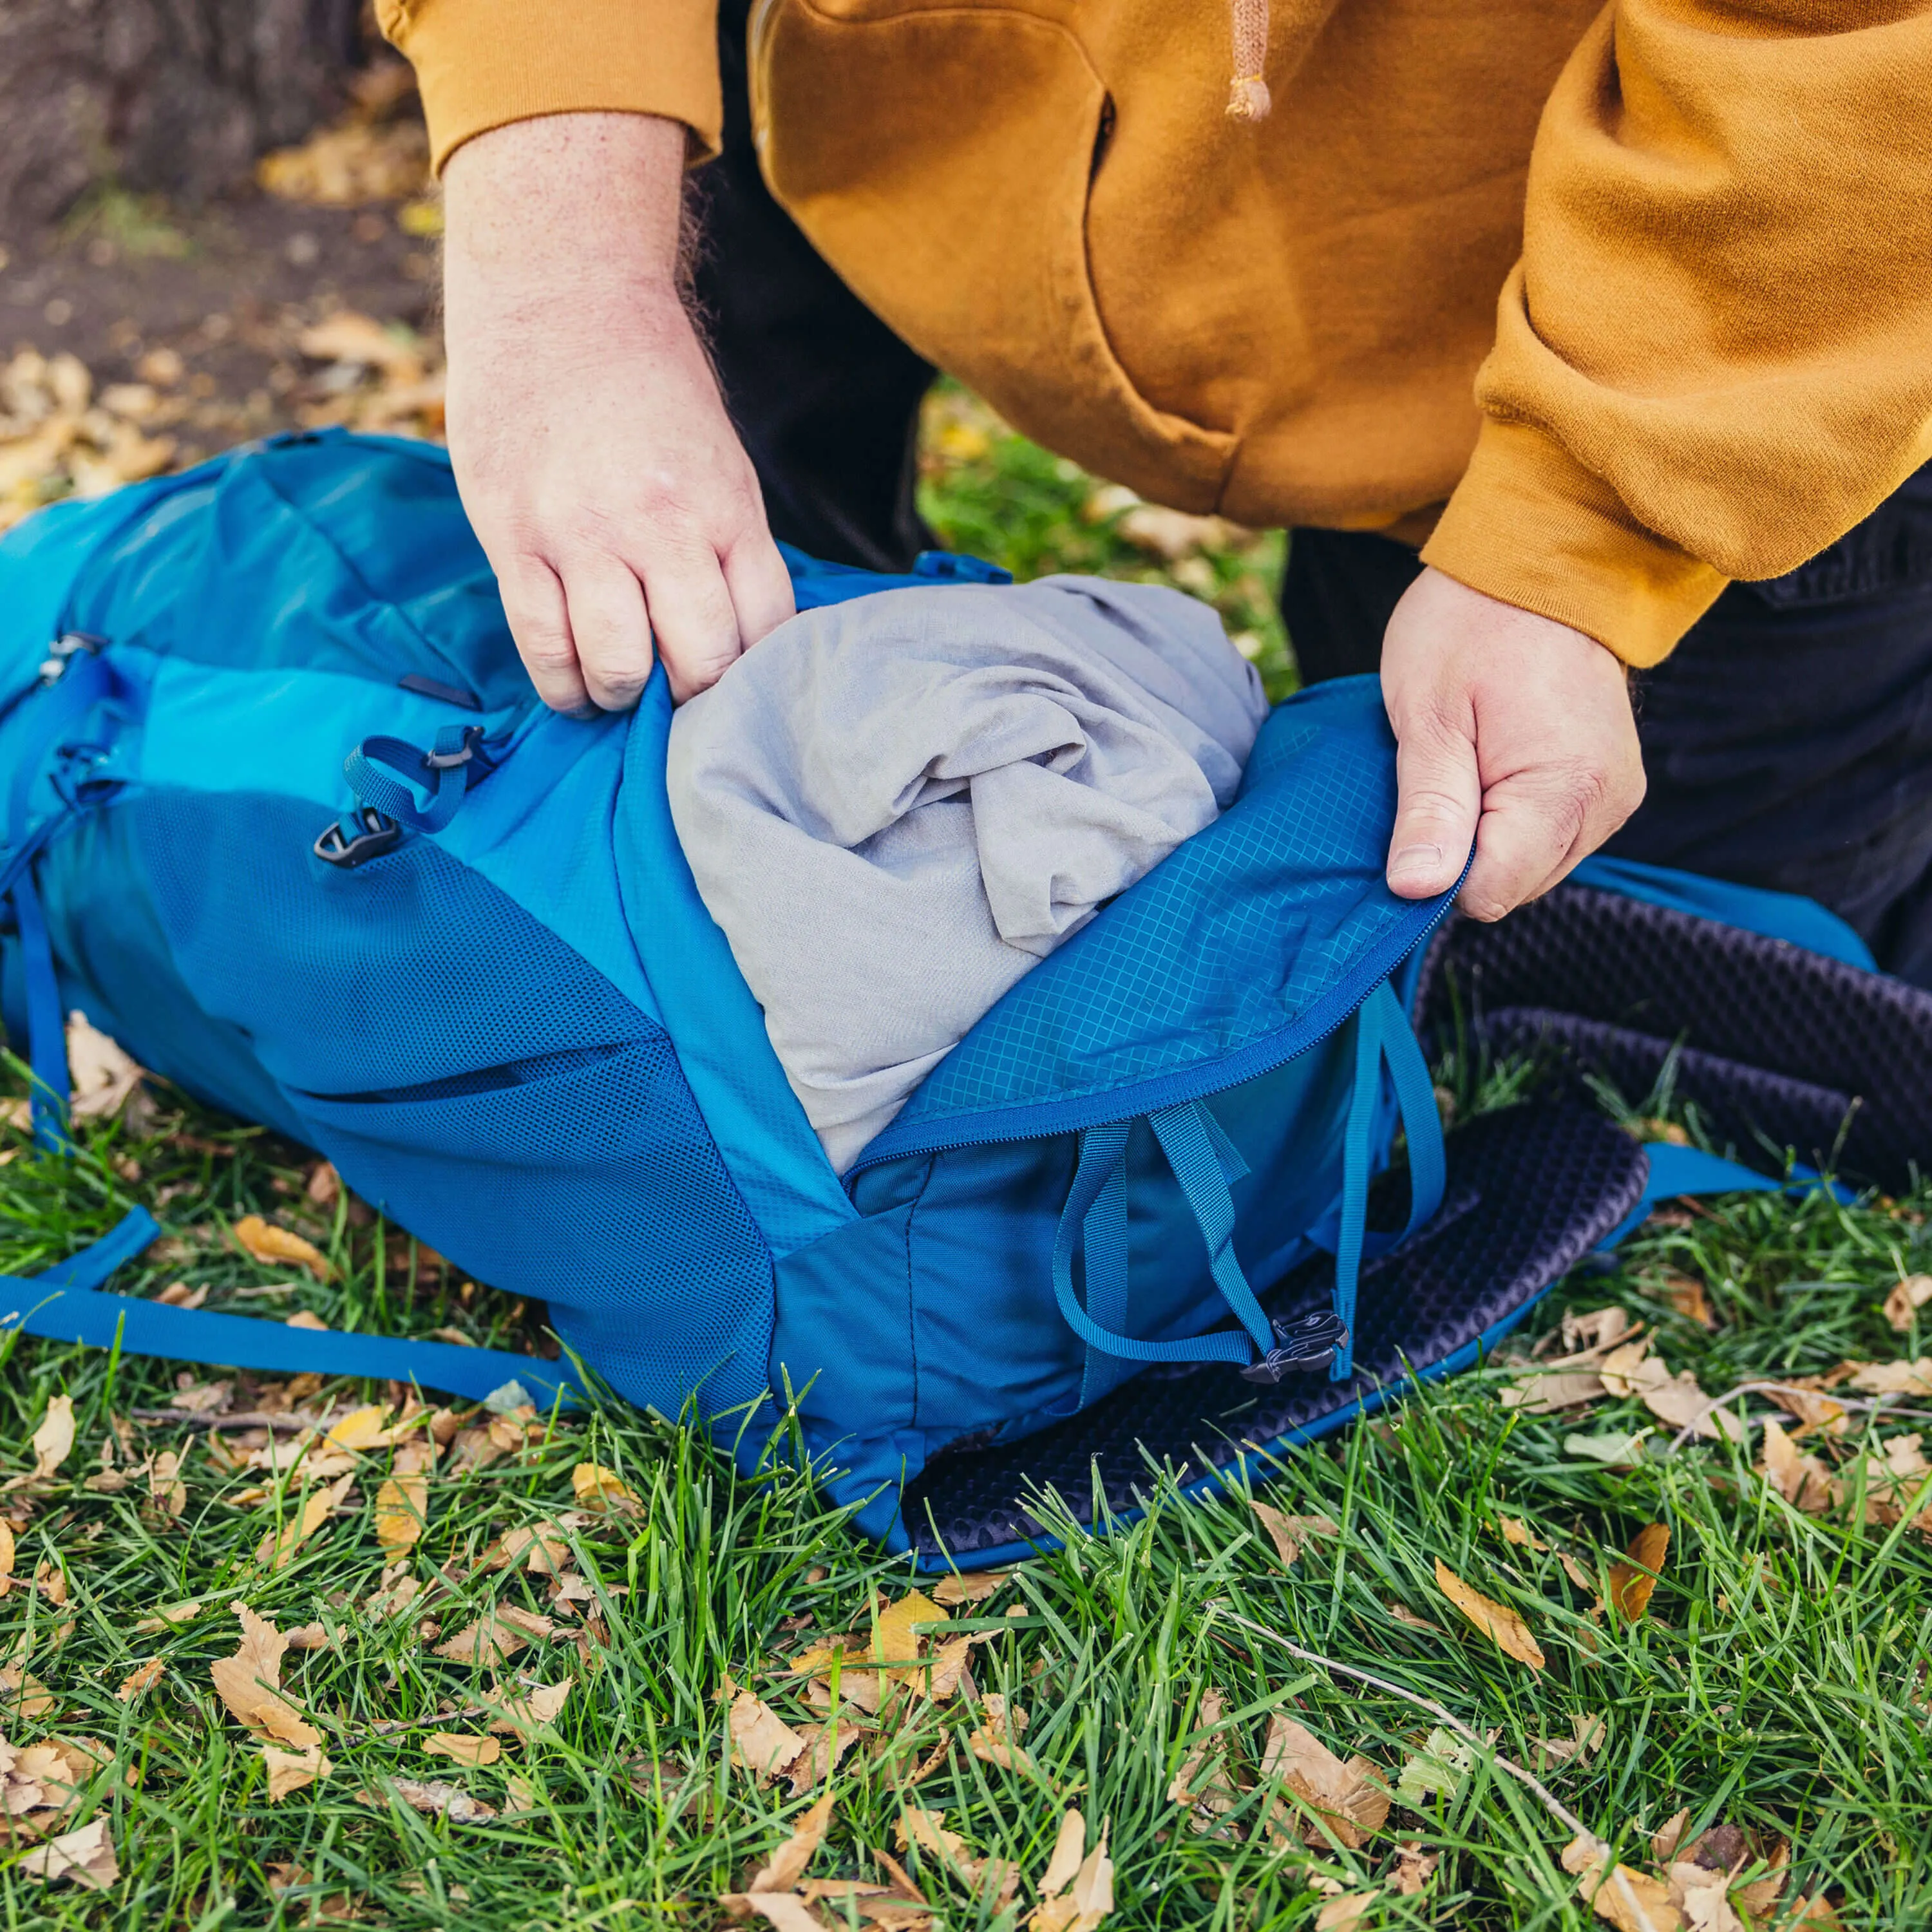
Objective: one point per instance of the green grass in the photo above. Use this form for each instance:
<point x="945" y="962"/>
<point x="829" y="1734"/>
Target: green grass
<point x="1779" y="1681"/>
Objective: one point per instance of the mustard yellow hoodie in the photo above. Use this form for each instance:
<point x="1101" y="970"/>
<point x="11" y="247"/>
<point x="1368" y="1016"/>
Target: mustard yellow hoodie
<point x="1624" y="303"/>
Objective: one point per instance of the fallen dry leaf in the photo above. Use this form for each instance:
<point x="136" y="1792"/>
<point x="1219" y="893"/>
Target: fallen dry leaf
<point x="522" y="1716"/>
<point x="85" y="1857"/>
<point x="1802" y="1481"/>
<point x="1586" y="1739"/>
<point x="1349" y="1802"/>
<point x="54" y="1438"/>
<point x="350" y="163"/>
<point x="23" y="1693"/>
<point x="825" y="1744"/>
<point x="1903" y="1304"/>
<point x="1804" y="1398"/>
<point x="1202" y="1783"/>
<point x="142" y="1677"/>
<point x="264" y="1242"/>
<point x="762" y="1742"/>
<point x="1344" y="1910"/>
<point x="402" y="1511"/>
<point x="1076" y="1893"/>
<point x="101" y="1076"/>
<point x="895" y="1644"/>
<point x="1289" y="1533"/>
<point x="597" y="1488"/>
<point x="464" y="1749"/>
<point x="437" y="1799"/>
<point x="291" y="1771"/>
<point x="1893" y="1378"/>
<point x="6" y="1556"/>
<point x="788" y="1864"/>
<point x="249" y="1682"/>
<point x="1436" y="1771"/>
<point x="541" y="1548"/>
<point x="1630" y="1583"/>
<point x="927" y="1830"/>
<point x="169" y="1615"/>
<point x="996" y="1741"/>
<point x="1627" y="1899"/>
<point x="1503" y="1624"/>
<point x="1519" y="1533"/>
<point x="1685" y="1293"/>
<point x="278" y="1545"/>
<point x="1414" y="1867"/>
<point x="953" y="1591"/>
<point x="1549" y="1390"/>
<point x="307" y="1318"/>
<point x="493" y="1638"/>
<point x="1403" y="1614"/>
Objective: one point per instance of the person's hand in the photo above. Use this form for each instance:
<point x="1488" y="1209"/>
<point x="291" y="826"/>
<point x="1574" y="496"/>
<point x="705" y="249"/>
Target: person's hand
<point x="593" y="454"/>
<point x="1512" y="731"/>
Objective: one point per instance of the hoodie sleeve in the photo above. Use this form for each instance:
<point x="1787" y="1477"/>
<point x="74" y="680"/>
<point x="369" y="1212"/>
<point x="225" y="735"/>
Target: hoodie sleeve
<point x="1715" y="355"/>
<point x="483" y="63"/>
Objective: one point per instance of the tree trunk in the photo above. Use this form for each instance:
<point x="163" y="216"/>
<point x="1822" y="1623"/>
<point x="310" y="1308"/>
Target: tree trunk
<point x="174" y="96"/>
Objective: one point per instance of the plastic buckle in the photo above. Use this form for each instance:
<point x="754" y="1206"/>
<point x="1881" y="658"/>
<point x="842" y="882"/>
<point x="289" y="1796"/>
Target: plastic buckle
<point x="378" y="834"/>
<point x="449" y="761"/>
<point x="69" y="644"/>
<point x="1312" y="1342"/>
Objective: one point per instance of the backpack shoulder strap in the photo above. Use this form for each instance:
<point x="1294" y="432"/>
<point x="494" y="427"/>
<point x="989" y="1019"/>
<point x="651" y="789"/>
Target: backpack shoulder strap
<point x="66" y="1304"/>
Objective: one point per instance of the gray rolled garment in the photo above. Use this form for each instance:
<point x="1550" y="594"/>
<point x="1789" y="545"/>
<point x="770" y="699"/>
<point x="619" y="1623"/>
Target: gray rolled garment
<point x="897" y="806"/>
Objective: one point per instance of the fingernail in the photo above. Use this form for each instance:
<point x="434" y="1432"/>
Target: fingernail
<point x="1415" y="862"/>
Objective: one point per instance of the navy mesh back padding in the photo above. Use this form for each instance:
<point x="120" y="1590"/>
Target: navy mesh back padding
<point x="1530" y="1192"/>
<point x="466" y="1071"/>
<point x="1744" y="1002"/>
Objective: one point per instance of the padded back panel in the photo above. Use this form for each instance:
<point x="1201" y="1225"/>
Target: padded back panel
<point x="1741" y="1004"/>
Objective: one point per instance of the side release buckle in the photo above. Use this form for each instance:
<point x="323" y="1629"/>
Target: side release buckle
<point x="358" y="835"/>
<point x="1311" y="1342"/>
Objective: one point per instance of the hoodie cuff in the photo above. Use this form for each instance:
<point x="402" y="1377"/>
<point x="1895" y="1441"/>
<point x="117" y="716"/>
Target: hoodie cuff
<point x="1529" y="525"/>
<point x="482" y="64"/>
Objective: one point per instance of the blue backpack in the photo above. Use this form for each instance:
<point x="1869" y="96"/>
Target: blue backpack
<point x="284" y="817"/>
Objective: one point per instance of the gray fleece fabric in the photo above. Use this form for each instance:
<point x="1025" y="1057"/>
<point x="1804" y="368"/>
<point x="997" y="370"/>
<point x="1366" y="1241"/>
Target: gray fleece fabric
<point x="897" y="806"/>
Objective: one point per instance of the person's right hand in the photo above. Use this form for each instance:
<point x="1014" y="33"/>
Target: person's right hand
<point x="595" y="461"/>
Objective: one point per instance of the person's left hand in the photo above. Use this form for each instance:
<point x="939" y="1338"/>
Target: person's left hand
<point x="1514" y="732"/>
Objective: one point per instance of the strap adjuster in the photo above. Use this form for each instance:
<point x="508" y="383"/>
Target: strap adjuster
<point x="1312" y="1343"/>
<point x="360" y="835"/>
<point x="472" y="748"/>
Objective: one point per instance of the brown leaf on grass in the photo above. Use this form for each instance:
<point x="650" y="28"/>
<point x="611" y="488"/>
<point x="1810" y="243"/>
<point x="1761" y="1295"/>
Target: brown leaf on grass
<point x="1076" y="1892"/>
<point x="307" y="1318"/>
<point x="1289" y="1533"/>
<point x="927" y="1830"/>
<point x="85" y="1857"/>
<point x="996" y="1741"/>
<point x="1630" y="1583"/>
<point x="949" y="1668"/>
<point x="1349" y="1800"/>
<point x="1203" y="1782"/>
<point x="1586" y="1739"/>
<point x="202" y="1398"/>
<point x="1893" y="1378"/>
<point x="6" y="1556"/>
<point x="1503" y="1624"/>
<point x="1802" y="1481"/>
<point x="291" y="1771"/>
<point x="762" y="1742"/>
<point x="54" y="1438"/>
<point x="1595" y="1330"/>
<point x="1403" y="1614"/>
<point x="1903" y="1304"/>
<point x="1815" y="1914"/>
<point x="101" y="1075"/>
<point x="601" y="1489"/>
<point x="491" y="1638"/>
<point x="1803" y="1396"/>
<point x="263" y="1241"/>
<point x="1345" y="1909"/>
<point x="142" y="1677"/>
<point x="279" y="1545"/>
<point x="1552" y="1389"/>
<point x="437" y="1799"/>
<point x="1669" y="1835"/>
<point x="522" y="1716"/>
<point x="824" y="1746"/>
<point x="324" y="1184"/>
<point x="895" y="1646"/>
<point x="463" y="1748"/>
<point x="541" y="1548"/>
<point x="249" y="1683"/>
<point x="1627" y="1899"/>
<point x="1414" y="1867"/>
<point x="1519" y="1533"/>
<point x="861" y="1690"/>
<point x="22" y="1694"/>
<point x="787" y="1865"/>
<point x="402" y="1511"/>
<point x="1685" y="1293"/>
<point x="953" y="1591"/>
<point x="361" y="1429"/>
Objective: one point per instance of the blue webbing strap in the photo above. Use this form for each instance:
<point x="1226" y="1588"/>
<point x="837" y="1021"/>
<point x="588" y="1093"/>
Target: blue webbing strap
<point x="1101" y="1171"/>
<point x="46" y="1036"/>
<point x="1202" y="1167"/>
<point x="63" y="1305"/>
<point x="1384" y="1038"/>
<point x="443" y="772"/>
<point x="1689" y="1170"/>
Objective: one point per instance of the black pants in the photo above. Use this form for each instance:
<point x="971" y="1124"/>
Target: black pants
<point x="1787" y="741"/>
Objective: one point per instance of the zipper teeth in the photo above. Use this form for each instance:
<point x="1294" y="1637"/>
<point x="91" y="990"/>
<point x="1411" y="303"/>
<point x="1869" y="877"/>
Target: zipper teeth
<point x="1267" y="1066"/>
